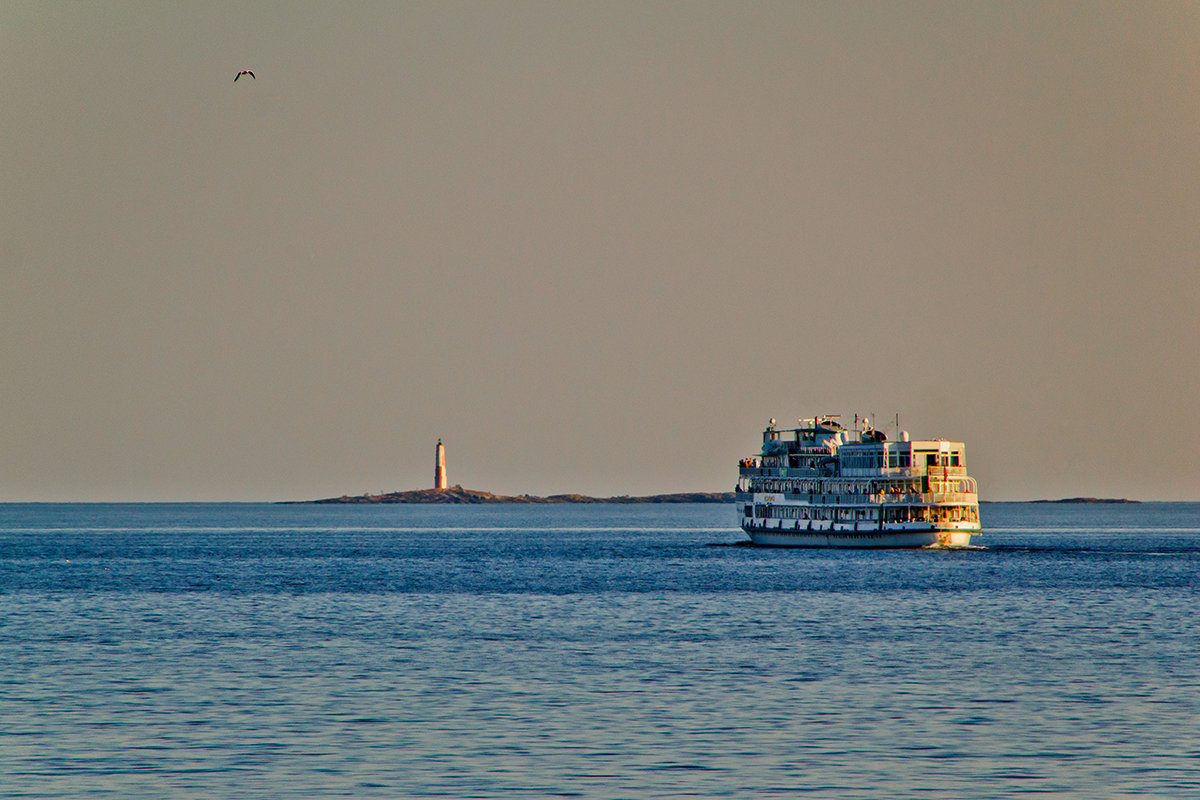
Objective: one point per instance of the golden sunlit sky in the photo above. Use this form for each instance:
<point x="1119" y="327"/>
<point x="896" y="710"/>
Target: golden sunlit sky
<point x="593" y="247"/>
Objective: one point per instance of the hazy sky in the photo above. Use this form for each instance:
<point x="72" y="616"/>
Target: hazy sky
<point x="592" y="246"/>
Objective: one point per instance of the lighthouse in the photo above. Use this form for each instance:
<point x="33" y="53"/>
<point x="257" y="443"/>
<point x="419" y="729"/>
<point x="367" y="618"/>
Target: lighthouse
<point x="439" y="469"/>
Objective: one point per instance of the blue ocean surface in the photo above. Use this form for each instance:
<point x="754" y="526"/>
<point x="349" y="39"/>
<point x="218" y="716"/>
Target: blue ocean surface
<point x="229" y="651"/>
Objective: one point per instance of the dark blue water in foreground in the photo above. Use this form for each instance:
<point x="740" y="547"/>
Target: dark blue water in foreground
<point x="228" y="651"/>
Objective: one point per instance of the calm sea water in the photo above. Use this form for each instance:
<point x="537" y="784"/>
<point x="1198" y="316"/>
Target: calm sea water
<point x="227" y="651"/>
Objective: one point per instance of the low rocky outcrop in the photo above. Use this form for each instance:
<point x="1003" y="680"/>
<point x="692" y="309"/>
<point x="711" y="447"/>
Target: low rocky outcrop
<point x="1117" y="500"/>
<point x="459" y="495"/>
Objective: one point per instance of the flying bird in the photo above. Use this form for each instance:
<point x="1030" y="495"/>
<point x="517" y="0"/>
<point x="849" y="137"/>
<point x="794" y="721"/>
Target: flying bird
<point x="243" y="72"/>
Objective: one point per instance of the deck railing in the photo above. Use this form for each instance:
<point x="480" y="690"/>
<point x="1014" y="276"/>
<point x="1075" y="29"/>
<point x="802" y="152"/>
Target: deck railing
<point x="884" y="498"/>
<point x="875" y="472"/>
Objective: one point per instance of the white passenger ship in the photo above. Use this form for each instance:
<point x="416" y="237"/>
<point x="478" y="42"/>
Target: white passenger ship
<point x="821" y="485"/>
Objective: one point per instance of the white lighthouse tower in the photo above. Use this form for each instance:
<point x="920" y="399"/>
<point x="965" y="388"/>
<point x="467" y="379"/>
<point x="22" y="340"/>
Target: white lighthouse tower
<point x="439" y="470"/>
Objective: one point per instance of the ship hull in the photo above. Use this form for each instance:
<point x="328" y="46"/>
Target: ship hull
<point x="875" y="537"/>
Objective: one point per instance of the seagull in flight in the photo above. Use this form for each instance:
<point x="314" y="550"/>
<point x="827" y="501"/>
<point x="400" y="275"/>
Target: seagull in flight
<point x="243" y="72"/>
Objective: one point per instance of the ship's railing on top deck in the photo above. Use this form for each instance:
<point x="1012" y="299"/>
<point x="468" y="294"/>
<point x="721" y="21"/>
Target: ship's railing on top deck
<point x="876" y="472"/>
<point x="908" y="498"/>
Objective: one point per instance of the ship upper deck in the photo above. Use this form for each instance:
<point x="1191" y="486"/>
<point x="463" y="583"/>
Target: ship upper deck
<point x="822" y="447"/>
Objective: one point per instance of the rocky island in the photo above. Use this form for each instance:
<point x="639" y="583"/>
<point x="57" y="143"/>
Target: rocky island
<point x="459" y="495"/>
<point x="1110" y="500"/>
<point x="443" y="493"/>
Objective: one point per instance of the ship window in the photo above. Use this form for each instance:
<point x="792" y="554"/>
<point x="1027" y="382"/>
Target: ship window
<point x="954" y="459"/>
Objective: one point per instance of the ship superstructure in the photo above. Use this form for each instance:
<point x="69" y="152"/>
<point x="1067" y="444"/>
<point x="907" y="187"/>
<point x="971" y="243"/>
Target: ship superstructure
<point x="822" y="485"/>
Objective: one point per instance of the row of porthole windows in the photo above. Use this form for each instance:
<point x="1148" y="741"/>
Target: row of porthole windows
<point x="812" y="512"/>
<point x="890" y="514"/>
